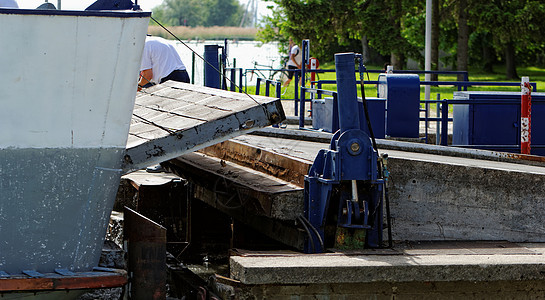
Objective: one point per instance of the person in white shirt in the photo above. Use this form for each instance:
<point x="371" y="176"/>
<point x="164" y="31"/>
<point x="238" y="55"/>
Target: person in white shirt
<point x="8" y="4"/>
<point x="160" y="63"/>
<point x="294" y="62"/>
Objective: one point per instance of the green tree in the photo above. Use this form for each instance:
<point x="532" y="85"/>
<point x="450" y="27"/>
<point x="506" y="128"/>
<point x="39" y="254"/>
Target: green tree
<point x="470" y="31"/>
<point x="341" y="25"/>
<point x="516" y="27"/>
<point x="224" y="13"/>
<point x="198" y="12"/>
<point x="181" y="13"/>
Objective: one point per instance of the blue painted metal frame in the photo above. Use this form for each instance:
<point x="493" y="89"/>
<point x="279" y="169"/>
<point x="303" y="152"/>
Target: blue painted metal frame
<point x="491" y="120"/>
<point x="350" y="160"/>
<point x="233" y="78"/>
<point x="212" y="77"/>
<point x="402" y="92"/>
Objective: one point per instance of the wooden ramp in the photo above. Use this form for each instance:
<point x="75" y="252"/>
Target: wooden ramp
<point x="175" y="118"/>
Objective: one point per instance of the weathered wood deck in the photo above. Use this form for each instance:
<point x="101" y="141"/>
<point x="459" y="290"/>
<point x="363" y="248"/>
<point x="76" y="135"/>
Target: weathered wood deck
<point x="175" y="118"/>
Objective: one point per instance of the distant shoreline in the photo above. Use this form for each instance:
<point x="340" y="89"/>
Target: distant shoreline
<point x="206" y="33"/>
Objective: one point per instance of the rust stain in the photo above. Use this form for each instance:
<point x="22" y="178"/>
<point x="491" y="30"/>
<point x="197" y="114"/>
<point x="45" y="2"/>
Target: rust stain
<point x="519" y="156"/>
<point x="281" y="166"/>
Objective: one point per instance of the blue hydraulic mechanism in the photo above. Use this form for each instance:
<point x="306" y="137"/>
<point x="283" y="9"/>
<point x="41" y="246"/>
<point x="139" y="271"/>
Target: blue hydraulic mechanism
<point x="348" y="175"/>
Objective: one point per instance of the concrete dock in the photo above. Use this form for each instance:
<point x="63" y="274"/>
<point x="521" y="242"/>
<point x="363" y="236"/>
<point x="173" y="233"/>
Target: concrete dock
<point x="473" y="270"/>
<point x="466" y="224"/>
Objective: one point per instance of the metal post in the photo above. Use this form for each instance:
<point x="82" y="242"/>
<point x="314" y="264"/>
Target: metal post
<point x="301" y="108"/>
<point x="301" y="101"/>
<point x="426" y="115"/>
<point x="233" y="79"/>
<point x="444" y="123"/>
<point x="222" y="69"/>
<point x="525" y="116"/>
<point x="211" y="67"/>
<point x="258" y="83"/>
<point x="438" y="123"/>
<point x="193" y="67"/>
<point x="428" y="46"/>
<point x="267" y="88"/>
<point x="240" y="81"/>
<point x="346" y="89"/>
<point x="304" y="61"/>
<point x="295" y="98"/>
<point x="146" y="242"/>
<point x="278" y="89"/>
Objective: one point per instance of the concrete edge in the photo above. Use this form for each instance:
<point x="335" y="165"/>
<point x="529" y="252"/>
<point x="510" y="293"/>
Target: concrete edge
<point x="367" y="269"/>
<point x="325" y="137"/>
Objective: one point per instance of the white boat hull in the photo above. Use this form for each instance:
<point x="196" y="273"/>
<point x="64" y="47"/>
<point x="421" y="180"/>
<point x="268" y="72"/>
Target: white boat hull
<point x="69" y="87"/>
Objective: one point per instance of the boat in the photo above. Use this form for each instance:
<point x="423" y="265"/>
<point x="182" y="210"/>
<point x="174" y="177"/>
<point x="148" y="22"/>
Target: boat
<point x="69" y="85"/>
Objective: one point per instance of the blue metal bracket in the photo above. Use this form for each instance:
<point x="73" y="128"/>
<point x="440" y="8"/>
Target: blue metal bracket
<point x="33" y="274"/>
<point x="346" y="174"/>
<point x="64" y="272"/>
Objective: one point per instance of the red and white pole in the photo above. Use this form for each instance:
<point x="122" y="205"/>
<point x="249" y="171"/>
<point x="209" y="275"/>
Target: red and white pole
<point x="525" y="116"/>
<point x="313" y="66"/>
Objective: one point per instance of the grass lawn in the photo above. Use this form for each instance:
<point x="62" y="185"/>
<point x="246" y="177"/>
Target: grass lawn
<point x="446" y="92"/>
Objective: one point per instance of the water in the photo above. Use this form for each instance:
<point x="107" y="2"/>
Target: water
<point x="246" y="53"/>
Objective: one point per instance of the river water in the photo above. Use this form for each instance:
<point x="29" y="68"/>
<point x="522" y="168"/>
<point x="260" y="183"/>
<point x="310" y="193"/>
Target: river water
<point x="246" y="54"/>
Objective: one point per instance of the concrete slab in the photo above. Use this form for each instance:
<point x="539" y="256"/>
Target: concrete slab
<point x="337" y="268"/>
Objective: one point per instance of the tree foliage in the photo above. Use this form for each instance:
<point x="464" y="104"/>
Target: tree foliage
<point x="397" y="27"/>
<point x="198" y="12"/>
<point x="512" y="27"/>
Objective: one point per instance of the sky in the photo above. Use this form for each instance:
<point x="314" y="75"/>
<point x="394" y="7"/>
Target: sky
<point x="146" y="5"/>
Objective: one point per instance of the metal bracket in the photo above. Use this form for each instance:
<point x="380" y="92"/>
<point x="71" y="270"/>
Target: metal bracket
<point x="33" y="274"/>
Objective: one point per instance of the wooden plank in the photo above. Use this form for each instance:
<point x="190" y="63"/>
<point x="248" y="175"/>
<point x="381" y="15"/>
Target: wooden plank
<point x="176" y="118"/>
<point x="259" y="193"/>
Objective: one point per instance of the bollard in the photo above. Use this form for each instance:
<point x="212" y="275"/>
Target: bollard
<point x="525" y="116"/>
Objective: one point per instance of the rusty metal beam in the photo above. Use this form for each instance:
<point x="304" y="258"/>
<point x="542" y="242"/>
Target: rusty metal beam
<point x="54" y="281"/>
<point x="147" y="256"/>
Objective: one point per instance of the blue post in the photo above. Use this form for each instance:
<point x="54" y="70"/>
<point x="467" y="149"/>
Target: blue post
<point x="302" y="108"/>
<point x="257" y="86"/>
<point x="347" y="93"/>
<point x="233" y="79"/>
<point x="278" y="89"/>
<point x="296" y="100"/>
<point x="304" y="61"/>
<point x="240" y="75"/>
<point x="444" y="123"/>
<point x="211" y="67"/>
<point x="267" y="88"/>
<point x="301" y="101"/>
<point x="193" y="67"/>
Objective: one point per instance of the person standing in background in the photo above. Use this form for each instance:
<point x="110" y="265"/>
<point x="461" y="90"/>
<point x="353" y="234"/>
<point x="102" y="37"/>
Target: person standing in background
<point x="160" y="63"/>
<point x="294" y="61"/>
